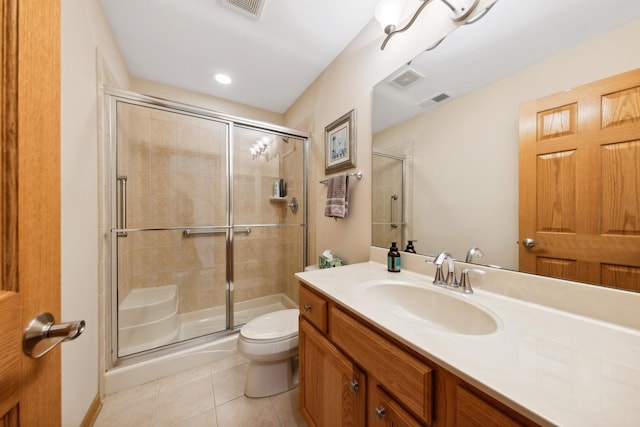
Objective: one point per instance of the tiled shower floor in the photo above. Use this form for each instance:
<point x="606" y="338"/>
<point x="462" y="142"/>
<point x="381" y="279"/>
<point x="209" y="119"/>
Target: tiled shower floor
<point x="208" y="396"/>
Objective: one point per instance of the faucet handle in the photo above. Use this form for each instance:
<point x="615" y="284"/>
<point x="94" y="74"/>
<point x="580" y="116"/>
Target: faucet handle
<point x="465" y="282"/>
<point x="437" y="278"/>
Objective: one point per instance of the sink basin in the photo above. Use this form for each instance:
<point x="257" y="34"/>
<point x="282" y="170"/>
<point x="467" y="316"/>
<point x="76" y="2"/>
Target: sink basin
<point x="432" y="307"/>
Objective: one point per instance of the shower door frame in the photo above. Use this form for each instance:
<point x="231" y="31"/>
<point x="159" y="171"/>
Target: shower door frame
<point x="112" y="96"/>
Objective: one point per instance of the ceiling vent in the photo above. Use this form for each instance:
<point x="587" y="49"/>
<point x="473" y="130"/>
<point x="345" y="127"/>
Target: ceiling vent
<point x="438" y="98"/>
<point x="249" y="8"/>
<point x="405" y="79"/>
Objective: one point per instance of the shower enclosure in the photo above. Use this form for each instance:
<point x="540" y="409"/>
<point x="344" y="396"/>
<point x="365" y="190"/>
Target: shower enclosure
<point x="208" y="217"/>
<point x="388" y="199"/>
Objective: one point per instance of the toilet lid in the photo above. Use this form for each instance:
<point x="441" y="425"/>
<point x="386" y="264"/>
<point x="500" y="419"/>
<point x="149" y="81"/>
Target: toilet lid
<point x="279" y="324"/>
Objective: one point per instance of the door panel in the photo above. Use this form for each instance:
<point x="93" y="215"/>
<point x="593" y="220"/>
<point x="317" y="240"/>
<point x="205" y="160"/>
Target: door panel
<point x="170" y="207"/>
<point x="268" y="242"/>
<point x="332" y="389"/>
<point x="30" y="197"/>
<point x="580" y="181"/>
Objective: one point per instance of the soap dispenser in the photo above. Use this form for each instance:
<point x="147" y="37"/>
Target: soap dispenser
<point x="393" y="259"/>
<point x="410" y="247"/>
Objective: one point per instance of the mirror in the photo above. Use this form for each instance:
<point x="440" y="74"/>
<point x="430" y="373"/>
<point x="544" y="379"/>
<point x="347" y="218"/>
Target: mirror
<point x="452" y="112"/>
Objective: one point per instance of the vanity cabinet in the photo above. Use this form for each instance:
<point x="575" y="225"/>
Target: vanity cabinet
<point x="354" y="374"/>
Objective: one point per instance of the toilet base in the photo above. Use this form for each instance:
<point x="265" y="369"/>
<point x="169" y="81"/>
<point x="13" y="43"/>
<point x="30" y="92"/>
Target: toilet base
<point x="268" y="378"/>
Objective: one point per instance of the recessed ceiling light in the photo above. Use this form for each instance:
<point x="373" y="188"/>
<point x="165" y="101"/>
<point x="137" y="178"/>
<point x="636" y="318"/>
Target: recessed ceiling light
<point x="223" y="79"/>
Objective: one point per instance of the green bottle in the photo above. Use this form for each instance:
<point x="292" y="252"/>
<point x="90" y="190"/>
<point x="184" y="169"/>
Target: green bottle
<point x="393" y="259"/>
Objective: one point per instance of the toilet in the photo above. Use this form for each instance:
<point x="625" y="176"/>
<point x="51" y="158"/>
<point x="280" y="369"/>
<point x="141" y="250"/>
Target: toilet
<point x="270" y="342"/>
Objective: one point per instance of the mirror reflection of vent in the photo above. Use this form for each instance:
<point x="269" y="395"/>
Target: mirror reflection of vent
<point x="406" y="79"/>
<point x="435" y="99"/>
<point x="249" y="8"/>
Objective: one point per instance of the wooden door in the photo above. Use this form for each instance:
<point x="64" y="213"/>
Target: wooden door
<point x="30" y="198"/>
<point x="332" y="388"/>
<point x="580" y="183"/>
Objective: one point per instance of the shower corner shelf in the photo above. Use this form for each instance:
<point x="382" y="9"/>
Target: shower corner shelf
<point x="277" y="199"/>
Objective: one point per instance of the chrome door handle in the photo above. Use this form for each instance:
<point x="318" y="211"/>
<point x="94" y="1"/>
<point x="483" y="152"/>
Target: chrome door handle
<point x="528" y="243"/>
<point x="42" y="334"/>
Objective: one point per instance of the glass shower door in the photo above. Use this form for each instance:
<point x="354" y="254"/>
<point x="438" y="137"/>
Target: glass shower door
<point x="388" y="223"/>
<point x="268" y="218"/>
<point x="172" y="221"/>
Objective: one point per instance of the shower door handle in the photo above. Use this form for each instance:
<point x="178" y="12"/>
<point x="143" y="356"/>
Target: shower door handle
<point x="122" y="205"/>
<point x="43" y="334"/>
<point x="203" y="232"/>
<point x="394" y="201"/>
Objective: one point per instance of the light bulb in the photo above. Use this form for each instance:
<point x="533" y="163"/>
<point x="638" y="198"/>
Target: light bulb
<point x="223" y="79"/>
<point x="388" y="14"/>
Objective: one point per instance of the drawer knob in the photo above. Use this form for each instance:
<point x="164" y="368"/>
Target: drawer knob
<point x="307" y="307"/>
<point x="354" y="385"/>
<point x="380" y="412"/>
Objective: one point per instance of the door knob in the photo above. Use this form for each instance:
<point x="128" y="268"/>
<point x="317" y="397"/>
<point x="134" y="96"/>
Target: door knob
<point x="528" y="243"/>
<point x="43" y="333"/>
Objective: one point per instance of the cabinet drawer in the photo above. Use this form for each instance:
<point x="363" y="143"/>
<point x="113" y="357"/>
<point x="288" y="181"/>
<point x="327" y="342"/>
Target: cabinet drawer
<point x="384" y="411"/>
<point x="314" y="308"/>
<point x="406" y="378"/>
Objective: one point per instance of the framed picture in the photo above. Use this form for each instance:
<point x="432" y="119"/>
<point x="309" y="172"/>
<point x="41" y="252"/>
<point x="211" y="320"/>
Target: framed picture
<point x="340" y="144"/>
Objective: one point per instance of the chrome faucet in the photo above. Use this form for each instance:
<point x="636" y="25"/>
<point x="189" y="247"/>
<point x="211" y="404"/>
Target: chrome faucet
<point x="473" y="252"/>
<point x="439" y="279"/>
<point x="450" y="282"/>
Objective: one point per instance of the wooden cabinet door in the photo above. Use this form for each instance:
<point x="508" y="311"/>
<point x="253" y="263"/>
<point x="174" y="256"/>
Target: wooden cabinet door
<point x="30" y="199"/>
<point x="332" y="389"/>
<point x="580" y="181"/>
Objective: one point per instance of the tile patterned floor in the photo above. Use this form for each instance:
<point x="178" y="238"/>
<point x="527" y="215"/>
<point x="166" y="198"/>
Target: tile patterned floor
<point x="208" y="396"/>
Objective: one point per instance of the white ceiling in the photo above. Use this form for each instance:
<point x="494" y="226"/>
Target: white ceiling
<point x="273" y="60"/>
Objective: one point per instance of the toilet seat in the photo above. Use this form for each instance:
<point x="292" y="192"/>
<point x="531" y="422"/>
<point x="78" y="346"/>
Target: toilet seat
<point x="271" y="327"/>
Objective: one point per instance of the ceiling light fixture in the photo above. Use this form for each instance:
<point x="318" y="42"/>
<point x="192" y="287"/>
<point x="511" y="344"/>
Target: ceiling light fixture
<point x="223" y="79"/>
<point x="389" y="12"/>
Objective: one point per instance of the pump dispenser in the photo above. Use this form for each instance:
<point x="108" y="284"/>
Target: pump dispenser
<point x="393" y="259"/>
<point x="410" y="247"/>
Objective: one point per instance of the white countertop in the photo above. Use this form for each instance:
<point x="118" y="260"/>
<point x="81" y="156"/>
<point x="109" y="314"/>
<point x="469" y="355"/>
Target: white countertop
<point x="555" y="367"/>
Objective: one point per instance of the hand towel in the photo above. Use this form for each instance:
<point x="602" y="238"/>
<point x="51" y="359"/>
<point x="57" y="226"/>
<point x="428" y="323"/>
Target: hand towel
<point x="337" y="196"/>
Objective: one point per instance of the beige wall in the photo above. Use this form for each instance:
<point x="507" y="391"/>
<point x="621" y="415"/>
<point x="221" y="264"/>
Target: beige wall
<point x="84" y="30"/>
<point x="473" y="142"/>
